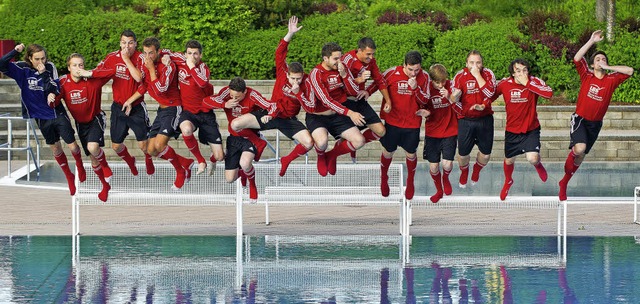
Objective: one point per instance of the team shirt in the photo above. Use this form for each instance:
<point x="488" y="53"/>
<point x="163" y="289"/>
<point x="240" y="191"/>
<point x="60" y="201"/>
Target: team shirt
<point x="194" y="84"/>
<point x="406" y="101"/>
<point x="165" y="88"/>
<point x="595" y="94"/>
<point x="472" y="94"/>
<point x="84" y="98"/>
<point x="123" y="84"/>
<point x="443" y="120"/>
<point x="520" y="103"/>
<point x="34" y="87"/>
<point x="328" y="90"/>
<point x="252" y="101"/>
<point x="355" y="67"/>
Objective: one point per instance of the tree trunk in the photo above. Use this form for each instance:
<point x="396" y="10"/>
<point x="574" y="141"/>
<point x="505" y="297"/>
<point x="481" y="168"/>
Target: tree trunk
<point x="611" y="19"/>
<point x="601" y="10"/>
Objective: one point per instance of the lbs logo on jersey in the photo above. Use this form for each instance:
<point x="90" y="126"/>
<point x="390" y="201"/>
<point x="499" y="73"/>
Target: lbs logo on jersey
<point x="182" y="76"/>
<point x="516" y="96"/>
<point x="334" y="82"/>
<point x="76" y="97"/>
<point x="122" y="72"/>
<point x="594" y="92"/>
<point x="33" y="84"/>
<point x="403" y="88"/>
<point x="471" y="87"/>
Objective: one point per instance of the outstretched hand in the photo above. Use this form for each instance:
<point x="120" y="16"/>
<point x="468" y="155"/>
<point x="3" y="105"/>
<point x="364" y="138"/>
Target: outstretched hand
<point x="597" y="36"/>
<point x="293" y="25"/>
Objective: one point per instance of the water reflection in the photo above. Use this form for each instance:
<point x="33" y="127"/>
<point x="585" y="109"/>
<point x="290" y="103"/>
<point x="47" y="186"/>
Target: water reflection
<point x="317" y="270"/>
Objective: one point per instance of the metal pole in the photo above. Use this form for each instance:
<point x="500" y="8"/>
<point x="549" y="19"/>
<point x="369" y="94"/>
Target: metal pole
<point x="564" y="233"/>
<point x="28" y="147"/>
<point x="239" y="224"/>
<point x="9" y="141"/>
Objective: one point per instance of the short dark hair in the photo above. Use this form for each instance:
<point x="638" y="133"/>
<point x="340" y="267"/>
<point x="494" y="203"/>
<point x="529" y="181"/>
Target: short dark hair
<point x="32" y="49"/>
<point x="129" y="33"/>
<point x="193" y="44"/>
<point x="296" y="67"/>
<point x="74" y="55"/>
<point x="151" y="41"/>
<point x="475" y="52"/>
<point x="366" y="42"/>
<point x="596" y="53"/>
<point x="412" y="58"/>
<point x="329" y="48"/>
<point x="237" y="84"/>
<point x="518" y="61"/>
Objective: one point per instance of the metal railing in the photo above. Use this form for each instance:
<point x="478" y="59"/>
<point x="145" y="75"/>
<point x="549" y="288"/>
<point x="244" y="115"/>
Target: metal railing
<point x="32" y="157"/>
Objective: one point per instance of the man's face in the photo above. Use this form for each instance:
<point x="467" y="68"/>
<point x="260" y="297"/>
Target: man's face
<point x="75" y="64"/>
<point x="128" y="43"/>
<point x="598" y="60"/>
<point x="193" y="53"/>
<point x="474" y="61"/>
<point x="295" y="77"/>
<point x="437" y="84"/>
<point x="150" y="53"/>
<point x="412" y="70"/>
<point x="365" y="55"/>
<point x="236" y="95"/>
<point x="520" y="70"/>
<point x="332" y="61"/>
<point x="38" y="58"/>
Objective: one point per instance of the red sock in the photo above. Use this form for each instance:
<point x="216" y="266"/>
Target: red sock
<point x="130" y="160"/>
<point x="343" y="147"/>
<point x="384" y="174"/>
<point x="570" y="163"/>
<point x="187" y="164"/>
<point x="212" y="159"/>
<point x="243" y="177"/>
<point x="192" y="144"/>
<point x="508" y="179"/>
<point x="254" y="138"/>
<point x="64" y="165"/>
<point x="253" y="189"/>
<point x="542" y="172"/>
<point x="170" y="155"/>
<point x="148" y="162"/>
<point x="105" y="166"/>
<point x="411" y="172"/>
<point x="370" y="136"/>
<point x="446" y="184"/>
<point x="464" y="175"/>
<point x="298" y="151"/>
<point x="475" y="175"/>
<point x="437" y="181"/>
<point x="82" y="174"/>
<point x="321" y="162"/>
<point x="104" y="193"/>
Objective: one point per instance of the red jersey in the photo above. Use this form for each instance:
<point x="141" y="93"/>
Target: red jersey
<point x="472" y="94"/>
<point x="595" y="94"/>
<point x="327" y="90"/>
<point x="288" y="102"/>
<point x="193" y="83"/>
<point x="83" y="98"/>
<point x="406" y="101"/>
<point x="355" y="67"/>
<point x="443" y="120"/>
<point x="520" y="103"/>
<point x="123" y="84"/>
<point x="252" y="101"/>
<point x="165" y="88"/>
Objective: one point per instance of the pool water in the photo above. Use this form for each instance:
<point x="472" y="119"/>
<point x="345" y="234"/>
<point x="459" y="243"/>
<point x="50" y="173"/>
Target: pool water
<point x="318" y="269"/>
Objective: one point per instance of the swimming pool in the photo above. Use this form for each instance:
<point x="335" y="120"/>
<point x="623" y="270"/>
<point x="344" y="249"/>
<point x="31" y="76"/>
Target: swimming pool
<point x="318" y="269"/>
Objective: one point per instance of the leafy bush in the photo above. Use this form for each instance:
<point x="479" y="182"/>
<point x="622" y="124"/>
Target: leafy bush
<point x="473" y="17"/>
<point x="625" y="52"/>
<point x="394" y="41"/>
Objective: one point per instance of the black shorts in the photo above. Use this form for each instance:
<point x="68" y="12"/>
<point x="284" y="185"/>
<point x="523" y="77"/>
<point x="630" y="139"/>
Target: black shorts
<point x="236" y="145"/>
<point x="584" y="131"/>
<point x="335" y="124"/>
<point x="407" y="138"/>
<point x="364" y="108"/>
<point x="205" y="121"/>
<point x="434" y="147"/>
<point x="475" y="131"/>
<point x="166" y="122"/>
<point x="288" y="126"/>
<point x="138" y="121"/>
<point x="92" y="131"/>
<point x="516" y="144"/>
<point x="54" y="129"/>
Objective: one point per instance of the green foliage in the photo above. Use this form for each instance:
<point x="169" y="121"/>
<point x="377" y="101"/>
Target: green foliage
<point x="559" y="74"/>
<point x="380" y="7"/>
<point x="492" y="40"/>
<point x="276" y="12"/>
<point x="250" y="56"/>
<point x="394" y="41"/>
<point x="45" y="9"/>
<point x="625" y="52"/>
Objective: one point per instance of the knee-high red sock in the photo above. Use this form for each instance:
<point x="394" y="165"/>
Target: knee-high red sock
<point x="64" y="165"/>
<point x="570" y="168"/>
<point x="475" y="175"/>
<point x="508" y="179"/>
<point x="148" y="163"/>
<point x="370" y="136"/>
<point x="446" y="184"/>
<point x="542" y="172"/>
<point x="253" y="189"/>
<point x="192" y="144"/>
<point x="570" y="163"/>
<point x="104" y="193"/>
<point x="437" y="181"/>
<point x="321" y="162"/>
<point x="298" y="151"/>
<point x="170" y="155"/>
<point x="82" y="174"/>
<point x="343" y="147"/>
<point x="105" y="166"/>
<point x="384" y="174"/>
<point x="411" y="172"/>
<point x="464" y="175"/>
<point x="130" y="160"/>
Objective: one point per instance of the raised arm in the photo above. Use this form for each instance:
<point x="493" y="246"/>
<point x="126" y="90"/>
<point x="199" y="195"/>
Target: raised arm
<point x="595" y="38"/>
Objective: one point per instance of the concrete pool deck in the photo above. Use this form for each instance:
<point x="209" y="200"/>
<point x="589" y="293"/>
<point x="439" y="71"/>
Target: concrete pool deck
<point x="38" y="211"/>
